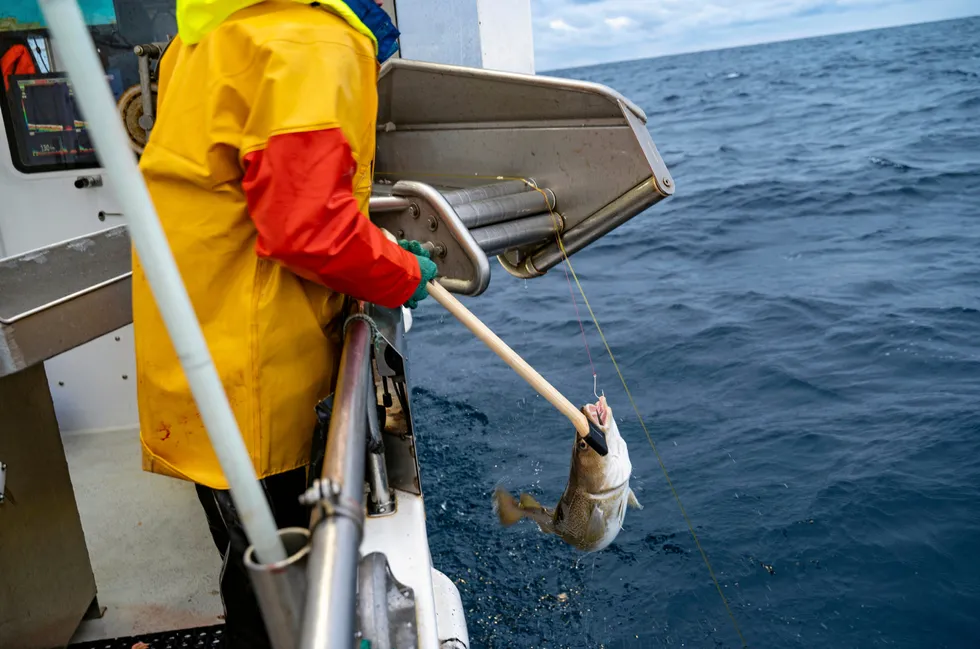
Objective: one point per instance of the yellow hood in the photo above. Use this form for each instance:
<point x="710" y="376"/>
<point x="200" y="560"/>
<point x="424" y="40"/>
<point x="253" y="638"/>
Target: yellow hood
<point x="197" y="18"/>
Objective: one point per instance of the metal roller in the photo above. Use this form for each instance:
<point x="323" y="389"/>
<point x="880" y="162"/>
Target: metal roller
<point x="592" y="229"/>
<point x="458" y="197"/>
<point x="498" y="238"/>
<point x="505" y="208"/>
<point x="380" y="204"/>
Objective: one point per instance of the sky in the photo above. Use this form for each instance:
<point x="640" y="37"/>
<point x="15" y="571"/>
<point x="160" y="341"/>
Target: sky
<point x="573" y="33"/>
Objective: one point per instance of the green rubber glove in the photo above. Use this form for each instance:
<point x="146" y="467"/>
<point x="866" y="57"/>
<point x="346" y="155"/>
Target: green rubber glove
<point x="415" y="248"/>
<point x="426" y="265"/>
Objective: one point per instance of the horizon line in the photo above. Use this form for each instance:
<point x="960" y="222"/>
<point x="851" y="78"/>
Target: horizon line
<point x="765" y="42"/>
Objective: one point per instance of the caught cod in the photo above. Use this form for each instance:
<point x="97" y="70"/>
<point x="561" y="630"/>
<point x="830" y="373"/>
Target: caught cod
<point x="590" y="513"/>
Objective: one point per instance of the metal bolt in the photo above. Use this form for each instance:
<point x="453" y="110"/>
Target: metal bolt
<point x="667" y="182"/>
<point x="433" y="224"/>
<point x="439" y="250"/>
<point x="415" y="210"/>
<point x="400" y="234"/>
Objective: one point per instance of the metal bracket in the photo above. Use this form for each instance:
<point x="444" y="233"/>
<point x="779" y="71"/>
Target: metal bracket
<point x="418" y="211"/>
<point x="3" y="482"/>
<point x="327" y="500"/>
<point x="381" y="499"/>
<point x="145" y="53"/>
<point x="385" y="607"/>
<point x="389" y="344"/>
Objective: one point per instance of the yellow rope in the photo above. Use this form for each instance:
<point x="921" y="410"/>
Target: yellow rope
<point x="629" y="395"/>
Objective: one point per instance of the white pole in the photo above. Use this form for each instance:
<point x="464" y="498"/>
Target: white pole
<point x="91" y="90"/>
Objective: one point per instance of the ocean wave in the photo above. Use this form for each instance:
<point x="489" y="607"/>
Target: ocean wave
<point x="797" y="325"/>
<point x="890" y="164"/>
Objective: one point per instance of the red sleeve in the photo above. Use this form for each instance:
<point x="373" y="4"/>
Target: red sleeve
<point x="299" y="191"/>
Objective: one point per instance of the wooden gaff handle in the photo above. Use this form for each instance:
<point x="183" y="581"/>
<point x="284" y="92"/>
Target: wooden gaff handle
<point x="518" y="364"/>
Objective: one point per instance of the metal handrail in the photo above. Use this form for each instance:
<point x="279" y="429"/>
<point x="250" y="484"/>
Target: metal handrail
<point x="329" y="615"/>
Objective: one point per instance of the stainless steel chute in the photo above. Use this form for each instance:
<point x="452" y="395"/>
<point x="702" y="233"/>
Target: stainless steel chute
<point x="507" y="148"/>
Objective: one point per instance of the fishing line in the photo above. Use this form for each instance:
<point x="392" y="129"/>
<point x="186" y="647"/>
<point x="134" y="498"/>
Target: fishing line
<point x="585" y="340"/>
<point x="643" y="425"/>
<point x="612" y="357"/>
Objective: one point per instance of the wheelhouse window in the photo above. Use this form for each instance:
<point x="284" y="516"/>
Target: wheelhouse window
<point x="45" y="130"/>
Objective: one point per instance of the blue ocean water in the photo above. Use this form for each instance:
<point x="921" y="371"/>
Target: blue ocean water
<point x="800" y="326"/>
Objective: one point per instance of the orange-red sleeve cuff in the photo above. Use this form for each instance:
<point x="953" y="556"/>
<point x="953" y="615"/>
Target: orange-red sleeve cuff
<point x="299" y="191"/>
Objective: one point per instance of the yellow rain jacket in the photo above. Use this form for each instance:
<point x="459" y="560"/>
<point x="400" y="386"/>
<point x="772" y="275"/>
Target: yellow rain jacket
<point x="260" y="168"/>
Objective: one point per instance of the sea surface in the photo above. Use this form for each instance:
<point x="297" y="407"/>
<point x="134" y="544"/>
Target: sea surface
<point x="800" y="327"/>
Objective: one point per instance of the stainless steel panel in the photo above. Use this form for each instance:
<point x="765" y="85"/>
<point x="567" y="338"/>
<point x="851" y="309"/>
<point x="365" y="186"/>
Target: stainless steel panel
<point x="46" y="580"/>
<point x="462" y="127"/>
<point x="389" y="344"/>
<point x="417" y="92"/>
<point x="61" y="296"/>
<point x="586" y="168"/>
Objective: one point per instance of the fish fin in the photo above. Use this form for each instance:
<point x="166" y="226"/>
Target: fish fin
<point x="596" y="527"/>
<point x="507" y="508"/>
<point x="529" y="502"/>
<point x="633" y="502"/>
<point x="544" y="517"/>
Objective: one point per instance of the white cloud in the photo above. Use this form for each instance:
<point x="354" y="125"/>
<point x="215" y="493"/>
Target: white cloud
<point x="582" y="32"/>
<point x="620" y="22"/>
<point x="561" y="26"/>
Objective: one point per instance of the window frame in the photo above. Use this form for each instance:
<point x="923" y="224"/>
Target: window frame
<point x="14" y="139"/>
<point x="121" y="31"/>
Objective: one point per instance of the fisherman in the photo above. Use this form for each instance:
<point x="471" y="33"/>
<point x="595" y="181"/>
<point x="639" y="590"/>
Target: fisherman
<point x="260" y="166"/>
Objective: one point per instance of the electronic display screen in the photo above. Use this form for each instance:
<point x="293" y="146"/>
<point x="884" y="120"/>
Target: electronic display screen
<point x="47" y="126"/>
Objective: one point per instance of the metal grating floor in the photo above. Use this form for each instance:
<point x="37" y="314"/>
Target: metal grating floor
<point x="209" y="637"/>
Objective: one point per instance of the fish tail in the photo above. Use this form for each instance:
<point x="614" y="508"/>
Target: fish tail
<point x="508" y="510"/>
<point x="528" y="502"/>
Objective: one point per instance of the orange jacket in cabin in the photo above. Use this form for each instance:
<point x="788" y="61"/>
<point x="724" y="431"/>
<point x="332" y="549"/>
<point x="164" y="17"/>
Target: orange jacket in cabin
<point x="16" y="60"/>
<point x="260" y="167"/>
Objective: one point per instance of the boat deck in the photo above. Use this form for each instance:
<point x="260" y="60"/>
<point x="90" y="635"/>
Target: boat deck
<point x="155" y="565"/>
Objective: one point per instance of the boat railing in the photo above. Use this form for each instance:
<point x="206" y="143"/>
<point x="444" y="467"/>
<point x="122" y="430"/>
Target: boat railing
<point x="325" y="594"/>
<point x="337" y="497"/>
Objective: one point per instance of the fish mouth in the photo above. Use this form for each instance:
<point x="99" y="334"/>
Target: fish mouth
<point x="598" y="413"/>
